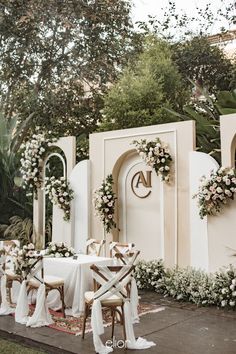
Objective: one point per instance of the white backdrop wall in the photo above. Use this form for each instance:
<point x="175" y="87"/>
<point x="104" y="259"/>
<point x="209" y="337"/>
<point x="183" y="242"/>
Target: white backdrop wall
<point x="199" y="164"/>
<point x="80" y="183"/>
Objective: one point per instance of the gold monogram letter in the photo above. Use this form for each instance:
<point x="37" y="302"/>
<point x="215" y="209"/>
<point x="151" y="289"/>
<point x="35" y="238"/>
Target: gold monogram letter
<point x="146" y="182"/>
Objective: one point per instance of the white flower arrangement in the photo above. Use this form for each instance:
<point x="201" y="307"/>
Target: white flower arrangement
<point x="60" y="193"/>
<point x="24" y="259"/>
<point x="34" y="151"/>
<point x="155" y="154"/>
<point x="59" y="249"/>
<point x="189" y="284"/>
<point x="104" y="203"/>
<point x="216" y="191"/>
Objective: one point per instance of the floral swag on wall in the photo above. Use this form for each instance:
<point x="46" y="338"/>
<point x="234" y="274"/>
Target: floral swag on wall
<point x="33" y="154"/>
<point x="60" y="194"/>
<point x="155" y="154"/>
<point x="104" y="203"/>
<point x="216" y="191"/>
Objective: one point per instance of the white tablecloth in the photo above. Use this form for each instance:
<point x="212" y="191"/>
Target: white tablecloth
<point x="78" y="279"/>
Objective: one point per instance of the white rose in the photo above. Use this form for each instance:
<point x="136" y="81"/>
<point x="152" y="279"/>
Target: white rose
<point x="227" y="192"/>
<point x="31" y="246"/>
<point x="67" y="254"/>
<point x="223" y="303"/>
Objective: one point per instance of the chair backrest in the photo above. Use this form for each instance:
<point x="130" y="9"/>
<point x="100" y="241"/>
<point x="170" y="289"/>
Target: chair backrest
<point x="128" y="258"/>
<point x="3" y="258"/>
<point x="7" y="255"/>
<point x="116" y="247"/>
<point x="9" y="245"/>
<point x="27" y="269"/>
<point x="112" y="280"/>
<point x="94" y="247"/>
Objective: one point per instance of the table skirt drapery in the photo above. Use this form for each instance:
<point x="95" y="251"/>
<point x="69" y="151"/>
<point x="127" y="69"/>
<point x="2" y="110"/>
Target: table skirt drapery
<point x="77" y="277"/>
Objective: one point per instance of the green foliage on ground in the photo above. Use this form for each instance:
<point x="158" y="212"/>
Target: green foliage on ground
<point x="189" y="284"/>
<point x="8" y="347"/>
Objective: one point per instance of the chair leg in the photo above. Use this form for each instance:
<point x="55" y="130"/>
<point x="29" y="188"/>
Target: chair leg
<point x="9" y="295"/>
<point x="123" y="321"/>
<point x="63" y="301"/>
<point x="8" y="290"/>
<point x="84" y="319"/>
<point x="113" y="322"/>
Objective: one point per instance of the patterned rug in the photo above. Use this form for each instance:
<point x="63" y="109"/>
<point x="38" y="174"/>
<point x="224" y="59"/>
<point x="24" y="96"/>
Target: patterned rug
<point x="73" y="325"/>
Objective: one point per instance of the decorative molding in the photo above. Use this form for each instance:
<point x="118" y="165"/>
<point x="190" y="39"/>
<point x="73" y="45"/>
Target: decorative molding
<point x="175" y="158"/>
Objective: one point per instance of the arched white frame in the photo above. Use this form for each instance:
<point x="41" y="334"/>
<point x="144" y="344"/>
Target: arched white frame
<point x="44" y="175"/>
<point x="62" y="160"/>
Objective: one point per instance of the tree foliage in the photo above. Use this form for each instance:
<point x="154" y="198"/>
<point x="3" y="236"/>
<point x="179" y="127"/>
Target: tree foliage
<point x="177" y="25"/>
<point x="12" y="199"/>
<point x="204" y="63"/>
<point x="148" y="86"/>
<point x="57" y="58"/>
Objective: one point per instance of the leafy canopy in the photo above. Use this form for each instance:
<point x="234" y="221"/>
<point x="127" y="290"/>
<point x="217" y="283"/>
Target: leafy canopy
<point x="57" y="58"/>
<point x="148" y="86"/>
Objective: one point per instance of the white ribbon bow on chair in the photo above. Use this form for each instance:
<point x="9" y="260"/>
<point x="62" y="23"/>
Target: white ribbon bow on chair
<point x="5" y="308"/>
<point x="41" y="315"/>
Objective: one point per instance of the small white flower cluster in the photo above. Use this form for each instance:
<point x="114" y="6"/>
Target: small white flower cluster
<point x="155" y="154"/>
<point x="59" y="193"/>
<point x="215" y="192"/>
<point x="104" y="203"/>
<point x="147" y="274"/>
<point x="59" y="249"/>
<point x="32" y="156"/>
<point x="188" y="284"/>
<point x="24" y="259"/>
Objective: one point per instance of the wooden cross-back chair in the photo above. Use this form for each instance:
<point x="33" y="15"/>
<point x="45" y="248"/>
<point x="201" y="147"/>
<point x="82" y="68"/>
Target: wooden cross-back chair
<point x="94" y="247"/>
<point x="51" y="283"/>
<point x="11" y="276"/>
<point x="114" y="302"/>
<point x="128" y="258"/>
<point x="117" y="247"/>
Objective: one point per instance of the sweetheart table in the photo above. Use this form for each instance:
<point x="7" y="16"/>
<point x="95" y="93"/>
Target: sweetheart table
<point x="77" y="277"/>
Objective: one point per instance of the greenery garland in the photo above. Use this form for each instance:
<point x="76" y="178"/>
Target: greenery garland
<point x="104" y="203"/>
<point x="155" y="154"/>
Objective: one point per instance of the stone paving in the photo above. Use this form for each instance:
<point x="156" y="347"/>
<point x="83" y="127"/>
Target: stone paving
<point x="181" y="328"/>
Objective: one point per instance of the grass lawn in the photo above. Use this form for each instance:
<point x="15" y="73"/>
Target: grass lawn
<point x="8" y="347"/>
